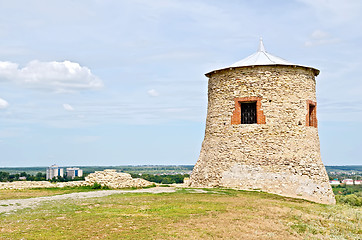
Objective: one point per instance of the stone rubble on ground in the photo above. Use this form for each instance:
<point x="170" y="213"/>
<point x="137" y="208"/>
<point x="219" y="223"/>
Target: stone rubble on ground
<point x="114" y="179"/>
<point x="109" y="177"/>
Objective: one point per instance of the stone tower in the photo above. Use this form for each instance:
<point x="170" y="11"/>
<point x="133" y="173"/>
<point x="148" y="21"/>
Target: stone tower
<point x="261" y="130"/>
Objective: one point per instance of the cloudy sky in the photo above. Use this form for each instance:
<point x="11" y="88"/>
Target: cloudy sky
<point x="99" y="82"/>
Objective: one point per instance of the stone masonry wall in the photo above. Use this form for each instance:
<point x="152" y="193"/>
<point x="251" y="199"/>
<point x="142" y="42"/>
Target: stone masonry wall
<point x="281" y="156"/>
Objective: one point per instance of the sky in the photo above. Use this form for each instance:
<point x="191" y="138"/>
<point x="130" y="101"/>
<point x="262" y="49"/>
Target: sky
<point x="101" y="82"/>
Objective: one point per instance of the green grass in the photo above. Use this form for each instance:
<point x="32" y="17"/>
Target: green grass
<point x="216" y="214"/>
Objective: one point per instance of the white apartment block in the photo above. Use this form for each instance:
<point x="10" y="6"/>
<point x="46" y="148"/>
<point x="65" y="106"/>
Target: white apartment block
<point x="54" y="171"/>
<point x="74" y="172"/>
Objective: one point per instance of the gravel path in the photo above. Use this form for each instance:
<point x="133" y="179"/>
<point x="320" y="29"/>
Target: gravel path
<point x="7" y="206"/>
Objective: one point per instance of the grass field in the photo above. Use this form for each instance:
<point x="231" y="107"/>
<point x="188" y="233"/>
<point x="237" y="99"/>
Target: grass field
<point x="216" y="214"/>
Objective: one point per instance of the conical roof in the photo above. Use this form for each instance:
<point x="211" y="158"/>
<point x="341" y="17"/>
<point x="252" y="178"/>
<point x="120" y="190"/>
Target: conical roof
<point x="262" y="58"/>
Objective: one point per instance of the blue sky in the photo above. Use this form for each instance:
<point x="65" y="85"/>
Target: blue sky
<point x="122" y="82"/>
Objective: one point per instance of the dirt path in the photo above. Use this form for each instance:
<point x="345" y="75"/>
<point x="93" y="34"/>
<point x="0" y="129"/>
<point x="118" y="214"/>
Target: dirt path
<point x="9" y="205"/>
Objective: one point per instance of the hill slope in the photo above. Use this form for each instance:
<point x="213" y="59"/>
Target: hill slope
<point x="185" y="214"/>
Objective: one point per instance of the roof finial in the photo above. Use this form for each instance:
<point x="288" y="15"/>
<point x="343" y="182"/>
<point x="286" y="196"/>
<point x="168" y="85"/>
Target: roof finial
<point x="261" y="45"/>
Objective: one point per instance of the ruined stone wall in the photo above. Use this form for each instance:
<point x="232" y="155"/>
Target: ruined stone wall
<point x="281" y="156"/>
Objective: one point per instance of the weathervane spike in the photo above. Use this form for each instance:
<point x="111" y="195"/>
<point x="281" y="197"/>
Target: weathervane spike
<point x="261" y="45"/>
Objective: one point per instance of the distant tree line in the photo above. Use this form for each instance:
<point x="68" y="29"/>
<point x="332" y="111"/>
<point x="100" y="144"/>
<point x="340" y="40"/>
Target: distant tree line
<point x="348" y="194"/>
<point x="163" y="179"/>
<point x="7" y="177"/>
<point x="342" y="176"/>
<point x="66" y="179"/>
<point x="23" y="176"/>
<point x="355" y="168"/>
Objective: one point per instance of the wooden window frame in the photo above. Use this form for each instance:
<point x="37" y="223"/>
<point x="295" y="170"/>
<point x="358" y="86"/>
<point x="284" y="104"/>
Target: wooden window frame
<point x="311" y="118"/>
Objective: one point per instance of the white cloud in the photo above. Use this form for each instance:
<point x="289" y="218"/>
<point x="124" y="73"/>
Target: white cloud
<point x="318" y="34"/>
<point x="153" y="93"/>
<point x="319" y="37"/>
<point x="3" y="103"/>
<point x="55" y="76"/>
<point x="7" y="69"/>
<point x="335" y="11"/>
<point x="68" y="107"/>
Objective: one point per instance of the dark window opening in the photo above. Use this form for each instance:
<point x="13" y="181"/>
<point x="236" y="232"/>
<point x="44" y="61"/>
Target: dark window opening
<point x="248" y="112"/>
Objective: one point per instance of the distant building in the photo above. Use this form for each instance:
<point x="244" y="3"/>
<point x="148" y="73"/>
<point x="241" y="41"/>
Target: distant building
<point x="74" y="172"/>
<point x="358" y="182"/>
<point x="54" y="171"/>
<point x="334" y="182"/>
<point x="348" y="181"/>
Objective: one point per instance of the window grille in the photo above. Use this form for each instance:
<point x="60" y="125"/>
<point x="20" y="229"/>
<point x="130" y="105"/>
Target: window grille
<point x="248" y="113"/>
<point x="248" y="110"/>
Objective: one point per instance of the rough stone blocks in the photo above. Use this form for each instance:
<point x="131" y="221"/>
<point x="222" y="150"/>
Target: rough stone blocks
<point x="281" y="152"/>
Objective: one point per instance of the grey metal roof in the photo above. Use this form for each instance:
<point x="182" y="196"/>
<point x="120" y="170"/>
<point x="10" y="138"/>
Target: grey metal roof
<point x="262" y="57"/>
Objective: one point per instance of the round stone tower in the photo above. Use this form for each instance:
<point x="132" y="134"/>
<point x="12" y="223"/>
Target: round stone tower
<point x="261" y="130"/>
